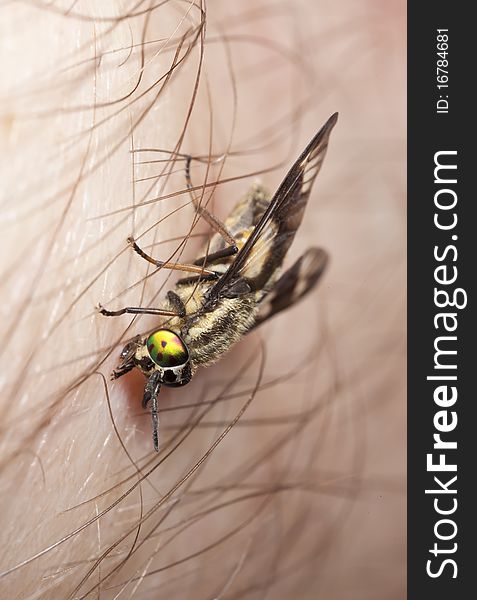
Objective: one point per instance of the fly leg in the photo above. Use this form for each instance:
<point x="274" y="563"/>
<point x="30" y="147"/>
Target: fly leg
<point x="151" y="392"/>
<point x="199" y="270"/>
<point x="137" y="310"/>
<point x="127" y="358"/>
<point x="179" y="309"/>
<point x="199" y="265"/>
<point x="214" y="223"/>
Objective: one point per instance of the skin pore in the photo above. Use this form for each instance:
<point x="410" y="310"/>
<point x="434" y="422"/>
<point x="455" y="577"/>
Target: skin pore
<point x="281" y="467"/>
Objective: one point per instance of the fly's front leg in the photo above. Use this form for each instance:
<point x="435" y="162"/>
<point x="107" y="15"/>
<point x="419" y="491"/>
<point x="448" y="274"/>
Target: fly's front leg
<point x="151" y="392"/>
<point x="127" y="358"/>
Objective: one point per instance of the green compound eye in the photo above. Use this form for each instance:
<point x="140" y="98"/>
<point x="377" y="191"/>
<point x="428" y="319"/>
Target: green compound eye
<point x="167" y="349"/>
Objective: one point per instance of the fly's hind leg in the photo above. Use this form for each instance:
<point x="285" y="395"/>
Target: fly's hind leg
<point x="211" y="219"/>
<point x="200" y="270"/>
<point x="199" y="265"/>
<point x="214" y="223"/>
<point x="243" y="217"/>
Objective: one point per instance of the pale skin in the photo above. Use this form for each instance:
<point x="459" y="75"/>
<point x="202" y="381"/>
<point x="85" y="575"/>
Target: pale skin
<point x="303" y="497"/>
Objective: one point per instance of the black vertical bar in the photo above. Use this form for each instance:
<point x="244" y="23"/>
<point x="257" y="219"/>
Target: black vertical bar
<point x="430" y="131"/>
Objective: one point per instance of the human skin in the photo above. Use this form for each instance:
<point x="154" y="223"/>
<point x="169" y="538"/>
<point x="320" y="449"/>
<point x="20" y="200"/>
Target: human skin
<point x="303" y="496"/>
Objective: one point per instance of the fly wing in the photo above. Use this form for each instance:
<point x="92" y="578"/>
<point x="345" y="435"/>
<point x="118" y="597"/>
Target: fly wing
<point x="295" y="283"/>
<point x="264" y="251"/>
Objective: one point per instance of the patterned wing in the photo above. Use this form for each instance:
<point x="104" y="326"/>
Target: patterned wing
<point x="264" y="251"/>
<point x="294" y="284"/>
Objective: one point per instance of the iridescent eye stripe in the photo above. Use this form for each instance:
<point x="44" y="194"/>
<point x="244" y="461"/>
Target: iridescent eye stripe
<point x="166" y="348"/>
